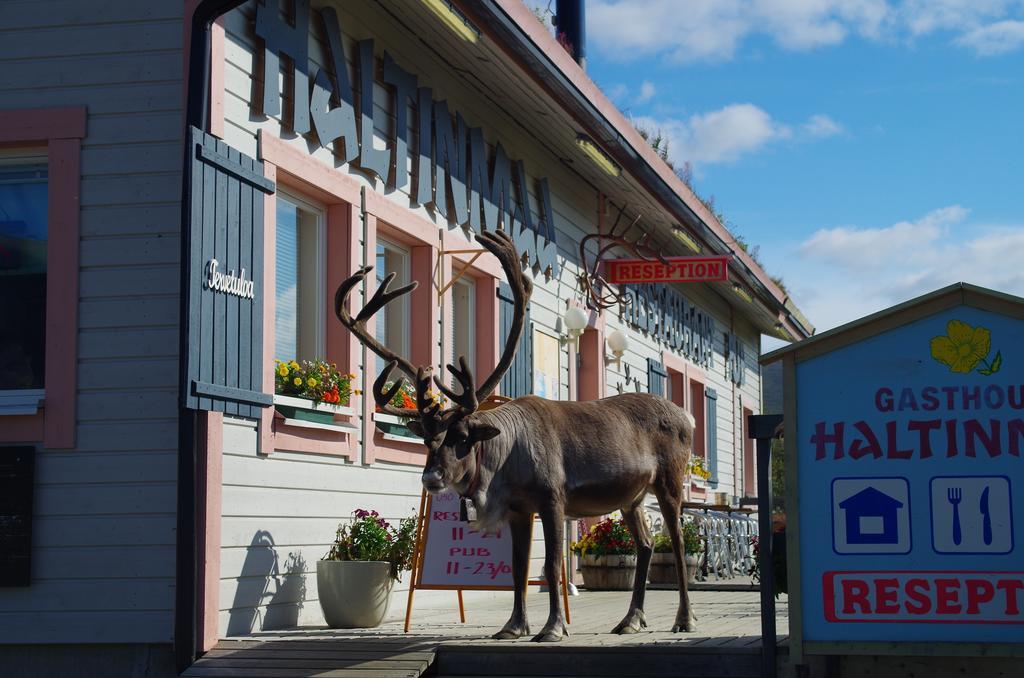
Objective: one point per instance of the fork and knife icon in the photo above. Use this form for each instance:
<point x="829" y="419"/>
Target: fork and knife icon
<point x="954" y="495"/>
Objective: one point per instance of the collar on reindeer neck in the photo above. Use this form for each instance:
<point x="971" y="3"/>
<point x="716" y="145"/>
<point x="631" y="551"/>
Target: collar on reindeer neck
<point x="475" y="480"/>
<point x="467" y="512"/>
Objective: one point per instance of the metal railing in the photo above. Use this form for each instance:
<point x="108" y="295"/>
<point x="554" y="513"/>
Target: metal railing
<point x="727" y="538"/>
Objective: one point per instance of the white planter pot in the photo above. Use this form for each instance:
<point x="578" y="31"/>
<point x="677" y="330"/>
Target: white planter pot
<point x="307" y="404"/>
<point x="354" y="594"/>
<point x="394" y="428"/>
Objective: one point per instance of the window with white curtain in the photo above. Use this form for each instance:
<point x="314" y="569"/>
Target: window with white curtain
<point x="299" y="293"/>
<point x="392" y="327"/>
<point x="463" y="329"/>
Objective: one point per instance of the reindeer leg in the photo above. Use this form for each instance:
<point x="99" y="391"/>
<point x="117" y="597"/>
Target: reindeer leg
<point x="635" y="618"/>
<point x="670" y="492"/>
<point x="522" y="532"/>
<point x="553" y="519"/>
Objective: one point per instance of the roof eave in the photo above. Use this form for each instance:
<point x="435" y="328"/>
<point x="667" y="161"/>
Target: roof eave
<point x="961" y="292"/>
<point x="538" y="52"/>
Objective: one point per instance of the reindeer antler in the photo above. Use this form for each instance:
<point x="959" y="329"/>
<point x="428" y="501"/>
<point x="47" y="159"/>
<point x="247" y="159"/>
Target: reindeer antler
<point x="594" y="285"/>
<point x="430" y="413"/>
<point x="501" y="246"/>
<point x="381" y="297"/>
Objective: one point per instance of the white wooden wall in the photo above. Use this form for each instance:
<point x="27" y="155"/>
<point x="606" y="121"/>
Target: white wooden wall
<point x="296" y="499"/>
<point x="103" y="529"/>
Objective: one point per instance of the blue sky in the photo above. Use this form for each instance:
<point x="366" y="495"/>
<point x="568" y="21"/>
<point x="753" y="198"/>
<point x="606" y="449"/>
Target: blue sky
<point x="873" y="149"/>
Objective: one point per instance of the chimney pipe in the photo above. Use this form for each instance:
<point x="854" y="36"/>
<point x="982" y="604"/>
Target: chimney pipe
<point x="570" y="16"/>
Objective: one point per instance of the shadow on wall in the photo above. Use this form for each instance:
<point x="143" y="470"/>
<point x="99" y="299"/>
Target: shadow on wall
<point x="268" y="596"/>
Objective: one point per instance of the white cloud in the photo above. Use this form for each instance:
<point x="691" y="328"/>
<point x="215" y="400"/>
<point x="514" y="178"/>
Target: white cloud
<point x="997" y="38"/>
<point x="877" y="247"/>
<point x="719" y="136"/>
<point x="729" y="133"/>
<point x="841" y="274"/>
<point x="647" y="92"/>
<point x="821" y="126"/>
<point x="921" y="17"/>
<point x="713" y="30"/>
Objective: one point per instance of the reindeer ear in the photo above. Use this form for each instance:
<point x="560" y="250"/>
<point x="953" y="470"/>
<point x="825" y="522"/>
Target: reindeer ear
<point x="416" y="426"/>
<point x="480" y="432"/>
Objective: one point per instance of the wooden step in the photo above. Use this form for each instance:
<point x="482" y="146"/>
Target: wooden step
<point x="619" y="661"/>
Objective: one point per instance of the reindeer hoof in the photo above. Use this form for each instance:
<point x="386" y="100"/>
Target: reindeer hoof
<point x="689" y="627"/>
<point x="550" y="635"/>
<point x="511" y="633"/>
<point x="633" y="622"/>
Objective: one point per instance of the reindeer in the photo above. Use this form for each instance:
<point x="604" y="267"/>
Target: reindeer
<point x="553" y="458"/>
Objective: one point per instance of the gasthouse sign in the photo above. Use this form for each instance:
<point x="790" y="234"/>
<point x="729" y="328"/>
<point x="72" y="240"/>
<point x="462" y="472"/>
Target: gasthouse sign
<point x="907" y="427"/>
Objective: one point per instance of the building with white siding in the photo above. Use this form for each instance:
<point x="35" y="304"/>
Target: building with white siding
<point x="134" y="524"/>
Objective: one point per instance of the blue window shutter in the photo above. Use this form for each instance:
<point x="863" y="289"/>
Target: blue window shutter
<point x="518" y="381"/>
<point x="656" y="375"/>
<point x="711" y="411"/>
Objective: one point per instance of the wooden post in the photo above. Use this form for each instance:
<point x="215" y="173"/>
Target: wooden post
<point x="763" y="427"/>
<point x="417" y="561"/>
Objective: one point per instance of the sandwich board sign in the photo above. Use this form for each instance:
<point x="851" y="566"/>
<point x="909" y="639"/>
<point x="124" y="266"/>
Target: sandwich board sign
<point x="455" y="555"/>
<point x="451" y="553"/>
<point x="908" y="428"/>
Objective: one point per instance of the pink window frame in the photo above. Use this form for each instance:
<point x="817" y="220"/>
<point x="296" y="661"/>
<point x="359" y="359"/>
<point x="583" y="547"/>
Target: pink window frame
<point x="61" y="131"/>
<point x="485" y="273"/>
<point x="691" y="374"/>
<point x="341" y="194"/>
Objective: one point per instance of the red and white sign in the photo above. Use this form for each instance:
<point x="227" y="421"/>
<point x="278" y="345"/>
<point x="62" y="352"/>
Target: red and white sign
<point x="456" y="556"/>
<point x="934" y="597"/>
<point x="675" y="269"/>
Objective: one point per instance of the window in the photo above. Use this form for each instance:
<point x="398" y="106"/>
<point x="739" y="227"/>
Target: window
<point x="23" y="253"/>
<point x="392" y="324"/>
<point x="697" y="410"/>
<point x="464" y="322"/>
<point x="299" y="298"/>
<point x="749" y="460"/>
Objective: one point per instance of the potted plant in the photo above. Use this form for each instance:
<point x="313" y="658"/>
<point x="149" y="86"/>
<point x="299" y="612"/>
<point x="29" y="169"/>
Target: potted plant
<point x="313" y="390"/>
<point x="405" y="398"/>
<point x="607" y="556"/>
<point x="355" y="578"/>
<point x="663" y="562"/>
<point x="698" y="470"/>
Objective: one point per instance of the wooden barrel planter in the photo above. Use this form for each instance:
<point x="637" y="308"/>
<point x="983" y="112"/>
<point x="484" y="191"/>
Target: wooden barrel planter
<point x="663" y="569"/>
<point x="608" y="573"/>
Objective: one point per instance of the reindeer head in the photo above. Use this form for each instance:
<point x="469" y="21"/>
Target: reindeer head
<point x="451" y="435"/>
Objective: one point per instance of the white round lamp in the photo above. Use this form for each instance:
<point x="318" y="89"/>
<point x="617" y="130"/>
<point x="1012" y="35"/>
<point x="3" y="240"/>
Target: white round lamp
<point x="575" y="321"/>
<point x="618" y="342"/>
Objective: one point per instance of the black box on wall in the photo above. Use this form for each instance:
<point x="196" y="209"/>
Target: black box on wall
<point x="17" y="466"/>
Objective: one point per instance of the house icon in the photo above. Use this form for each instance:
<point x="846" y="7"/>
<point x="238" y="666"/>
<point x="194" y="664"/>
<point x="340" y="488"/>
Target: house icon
<point x="871" y="517"/>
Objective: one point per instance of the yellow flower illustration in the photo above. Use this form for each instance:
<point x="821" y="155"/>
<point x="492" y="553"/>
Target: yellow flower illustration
<point x="963" y="347"/>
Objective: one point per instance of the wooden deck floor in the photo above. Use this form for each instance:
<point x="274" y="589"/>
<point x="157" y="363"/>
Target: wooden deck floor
<point x="728" y="622"/>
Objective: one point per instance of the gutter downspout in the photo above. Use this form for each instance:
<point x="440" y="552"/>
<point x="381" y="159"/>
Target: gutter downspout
<point x="571" y="21"/>
<point x="197" y="101"/>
